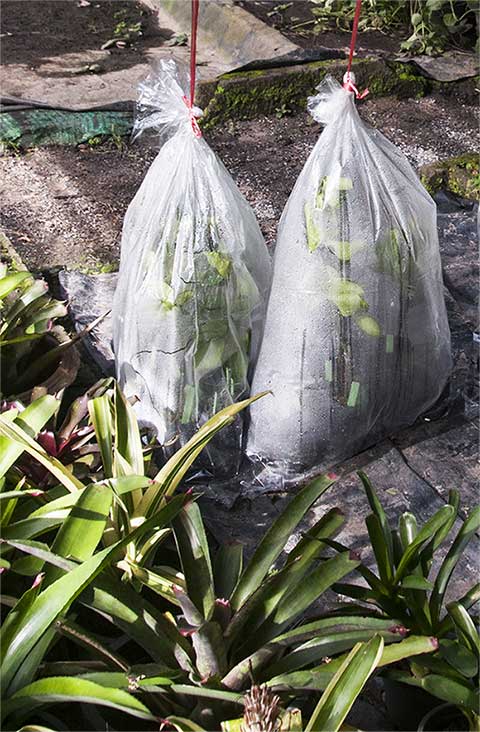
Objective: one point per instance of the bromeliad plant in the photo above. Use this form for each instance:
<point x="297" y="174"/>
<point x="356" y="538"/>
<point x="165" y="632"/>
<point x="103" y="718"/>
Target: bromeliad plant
<point x="42" y="614"/>
<point x="27" y="316"/>
<point x="37" y="356"/>
<point x="451" y="674"/>
<point x="68" y="438"/>
<point x="119" y="478"/>
<point x="81" y="517"/>
<point x="198" y="660"/>
<point x="263" y="710"/>
<point x="227" y="623"/>
<point x="404" y="588"/>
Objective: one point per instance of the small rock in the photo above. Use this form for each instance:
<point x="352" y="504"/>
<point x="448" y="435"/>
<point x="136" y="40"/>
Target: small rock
<point x="108" y="44"/>
<point x="87" y="69"/>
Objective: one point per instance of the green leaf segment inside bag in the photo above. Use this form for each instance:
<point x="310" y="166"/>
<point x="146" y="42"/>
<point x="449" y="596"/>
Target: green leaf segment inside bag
<point x="193" y="280"/>
<point x="356" y="342"/>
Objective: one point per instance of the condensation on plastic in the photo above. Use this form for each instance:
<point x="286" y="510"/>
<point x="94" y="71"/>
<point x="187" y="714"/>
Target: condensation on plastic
<point x="356" y="342"/>
<point x="193" y="283"/>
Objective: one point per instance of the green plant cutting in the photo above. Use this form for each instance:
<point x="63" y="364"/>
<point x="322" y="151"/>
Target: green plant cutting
<point x="348" y="297"/>
<point x="193" y="279"/>
<point x="206" y="305"/>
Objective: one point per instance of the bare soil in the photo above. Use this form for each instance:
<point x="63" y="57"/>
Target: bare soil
<point x="40" y="29"/>
<point x="64" y="206"/>
<point x="295" y="19"/>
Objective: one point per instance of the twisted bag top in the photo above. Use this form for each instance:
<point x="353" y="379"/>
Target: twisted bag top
<point x="162" y="102"/>
<point x="194" y="276"/>
<point x="356" y="340"/>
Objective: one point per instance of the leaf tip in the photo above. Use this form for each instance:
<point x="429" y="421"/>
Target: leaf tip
<point x="400" y="629"/>
<point x="222" y="602"/>
<point x="38" y="579"/>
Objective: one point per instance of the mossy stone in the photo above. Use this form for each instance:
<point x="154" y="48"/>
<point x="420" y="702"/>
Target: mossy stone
<point x="459" y="175"/>
<point x="247" y="94"/>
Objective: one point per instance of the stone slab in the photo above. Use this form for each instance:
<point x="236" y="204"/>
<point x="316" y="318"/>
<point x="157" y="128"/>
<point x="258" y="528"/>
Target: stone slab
<point x="444" y="455"/>
<point x="458" y="235"/>
<point x="112" y="89"/>
<point x="63" y="81"/>
<point x="450" y="66"/>
<point x="239" y="38"/>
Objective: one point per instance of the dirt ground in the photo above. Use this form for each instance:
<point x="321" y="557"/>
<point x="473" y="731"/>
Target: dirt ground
<point x="36" y="30"/>
<point x="65" y="206"/>
<point x="295" y="20"/>
<point x="300" y="22"/>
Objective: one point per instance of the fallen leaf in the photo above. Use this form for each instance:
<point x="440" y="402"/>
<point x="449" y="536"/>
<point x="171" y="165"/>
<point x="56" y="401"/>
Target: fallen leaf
<point x="179" y="39"/>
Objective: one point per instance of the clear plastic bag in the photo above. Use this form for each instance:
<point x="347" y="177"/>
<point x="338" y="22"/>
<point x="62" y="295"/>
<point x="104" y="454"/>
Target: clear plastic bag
<point x="356" y="341"/>
<point x="194" y="277"/>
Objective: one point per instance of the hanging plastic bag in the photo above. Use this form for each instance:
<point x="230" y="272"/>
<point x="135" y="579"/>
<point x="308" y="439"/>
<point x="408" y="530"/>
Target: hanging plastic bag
<point x="356" y="341"/>
<point x="193" y="281"/>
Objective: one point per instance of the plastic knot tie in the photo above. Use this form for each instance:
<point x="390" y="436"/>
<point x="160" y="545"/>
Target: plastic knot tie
<point x="349" y="85"/>
<point x="193" y="117"/>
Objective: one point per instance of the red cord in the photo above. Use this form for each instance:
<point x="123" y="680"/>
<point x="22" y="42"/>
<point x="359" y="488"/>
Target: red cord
<point x="354" y="34"/>
<point x="193" y="67"/>
<point x="349" y="78"/>
<point x="193" y="50"/>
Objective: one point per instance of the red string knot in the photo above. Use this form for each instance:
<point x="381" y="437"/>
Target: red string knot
<point x="349" y="85"/>
<point x="193" y="117"/>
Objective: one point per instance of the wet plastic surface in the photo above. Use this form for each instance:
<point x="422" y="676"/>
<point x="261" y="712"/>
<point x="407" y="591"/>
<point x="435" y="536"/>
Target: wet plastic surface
<point x="356" y="343"/>
<point x="194" y="276"/>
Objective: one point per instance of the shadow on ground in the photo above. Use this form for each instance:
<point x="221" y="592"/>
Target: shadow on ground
<point x="37" y="31"/>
